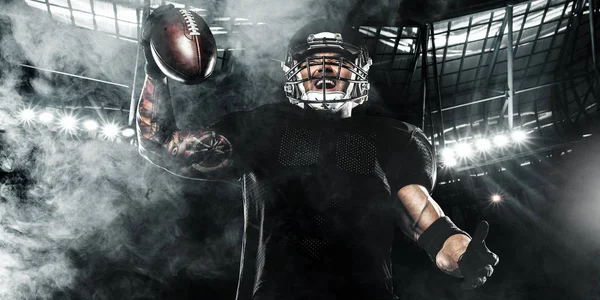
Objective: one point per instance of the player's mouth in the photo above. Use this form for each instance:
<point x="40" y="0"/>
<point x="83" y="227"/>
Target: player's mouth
<point x="329" y="84"/>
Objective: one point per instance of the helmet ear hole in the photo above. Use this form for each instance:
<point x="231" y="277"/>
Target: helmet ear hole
<point x="288" y="89"/>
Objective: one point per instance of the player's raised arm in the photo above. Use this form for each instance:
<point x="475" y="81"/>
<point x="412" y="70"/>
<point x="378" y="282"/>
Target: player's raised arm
<point x="177" y="45"/>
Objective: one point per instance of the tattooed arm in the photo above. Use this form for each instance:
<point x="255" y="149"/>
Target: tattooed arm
<point x="195" y="154"/>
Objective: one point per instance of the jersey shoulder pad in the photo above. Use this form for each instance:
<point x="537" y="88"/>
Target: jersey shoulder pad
<point x="394" y="125"/>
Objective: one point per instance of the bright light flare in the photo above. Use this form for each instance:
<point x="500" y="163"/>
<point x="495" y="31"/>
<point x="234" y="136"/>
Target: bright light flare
<point x="128" y="132"/>
<point x="451" y="162"/>
<point x="27" y="115"/>
<point x="463" y="150"/>
<point x="449" y="157"/>
<point x="110" y="131"/>
<point x="46" y="117"/>
<point x="483" y="145"/>
<point x="519" y="136"/>
<point x="501" y="140"/>
<point x="447" y="153"/>
<point x="90" y="125"/>
<point x="68" y="124"/>
<point x="496" y="198"/>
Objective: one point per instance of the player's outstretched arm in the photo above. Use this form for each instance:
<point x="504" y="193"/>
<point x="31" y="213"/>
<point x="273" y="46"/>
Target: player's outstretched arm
<point x="195" y="154"/>
<point x="452" y="249"/>
<point x="422" y="219"/>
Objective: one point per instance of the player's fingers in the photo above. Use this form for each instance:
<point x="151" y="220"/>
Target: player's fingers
<point x="469" y="284"/>
<point x="481" y="281"/>
<point x="486" y="271"/>
<point x="151" y="18"/>
<point x="161" y="9"/>
<point x="491" y="258"/>
<point x="481" y="232"/>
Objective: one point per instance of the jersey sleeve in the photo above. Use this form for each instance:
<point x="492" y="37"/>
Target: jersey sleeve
<point x="412" y="162"/>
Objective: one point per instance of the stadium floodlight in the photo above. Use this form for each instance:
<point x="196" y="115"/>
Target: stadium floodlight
<point x="68" y="124"/>
<point x="450" y="162"/>
<point x="519" y="136"/>
<point x="463" y="150"/>
<point x="449" y="157"/>
<point x="90" y="125"/>
<point x="110" y="131"/>
<point x="496" y="198"/>
<point x="483" y="144"/>
<point x="46" y="117"/>
<point x="27" y="115"/>
<point x="128" y="132"/>
<point x="501" y="140"/>
<point x="448" y="153"/>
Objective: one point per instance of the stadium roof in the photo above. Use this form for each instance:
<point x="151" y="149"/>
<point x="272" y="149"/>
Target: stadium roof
<point x="553" y="69"/>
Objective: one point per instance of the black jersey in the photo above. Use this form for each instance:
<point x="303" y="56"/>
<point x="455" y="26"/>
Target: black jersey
<point x="319" y="197"/>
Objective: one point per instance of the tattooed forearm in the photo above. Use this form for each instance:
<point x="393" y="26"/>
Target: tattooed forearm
<point x="188" y="153"/>
<point x="155" y="118"/>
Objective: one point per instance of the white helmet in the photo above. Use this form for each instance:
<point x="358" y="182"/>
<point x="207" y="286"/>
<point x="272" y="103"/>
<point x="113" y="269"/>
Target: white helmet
<point x="350" y="51"/>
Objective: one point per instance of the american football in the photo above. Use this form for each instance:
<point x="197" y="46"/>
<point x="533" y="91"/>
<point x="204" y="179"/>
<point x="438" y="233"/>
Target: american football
<point x="183" y="46"/>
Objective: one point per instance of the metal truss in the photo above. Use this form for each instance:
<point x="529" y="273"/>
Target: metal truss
<point x="541" y="32"/>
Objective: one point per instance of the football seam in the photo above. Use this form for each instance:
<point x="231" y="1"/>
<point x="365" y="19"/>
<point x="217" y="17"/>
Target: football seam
<point x="190" y="22"/>
<point x="198" y="53"/>
<point x="192" y="27"/>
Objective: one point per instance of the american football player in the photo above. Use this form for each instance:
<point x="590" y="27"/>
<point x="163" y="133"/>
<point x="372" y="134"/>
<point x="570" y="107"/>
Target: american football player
<point x="323" y="190"/>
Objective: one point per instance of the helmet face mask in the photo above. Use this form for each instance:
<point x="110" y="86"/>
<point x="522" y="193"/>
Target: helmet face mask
<point x="324" y="72"/>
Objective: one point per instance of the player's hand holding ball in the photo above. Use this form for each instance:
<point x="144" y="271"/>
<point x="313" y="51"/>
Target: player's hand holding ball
<point x="179" y="44"/>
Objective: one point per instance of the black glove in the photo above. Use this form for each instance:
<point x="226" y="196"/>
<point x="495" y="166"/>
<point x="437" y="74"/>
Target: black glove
<point x="151" y="67"/>
<point x="477" y="263"/>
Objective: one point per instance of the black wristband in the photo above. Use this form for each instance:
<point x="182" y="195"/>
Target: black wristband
<point x="434" y="237"/>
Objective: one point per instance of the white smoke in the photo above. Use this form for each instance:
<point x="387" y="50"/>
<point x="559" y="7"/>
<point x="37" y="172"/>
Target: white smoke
<point x="85" y="218"/>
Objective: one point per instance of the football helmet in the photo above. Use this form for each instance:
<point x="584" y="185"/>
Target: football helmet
<point x="344" y="49"/>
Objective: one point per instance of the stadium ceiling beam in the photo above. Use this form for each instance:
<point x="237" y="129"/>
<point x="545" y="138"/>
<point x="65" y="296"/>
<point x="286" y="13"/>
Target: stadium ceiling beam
<point x="563" y="67"/>
<point x="579" y="100"/>
<point x="516" y="92"/>
<point x="593" y="40"/>
<point x="436" y="79"/>
<point x="470" y="7"/>
<point x="573" y="23"/>
<point x="413" y="65"/>
<point x="141" y="16"/>
<point x="509" y="65"/>
<point x="92" y="7"/>
<point x="547" y="56"/>
<point x="423" y="43"/>
<point x="397" y="23"/>
<point x="48" y="8"/>
<point x="478" y="70"/>
<point x="461" y="64"/>
<point x="426" y="109"/>
<point x="394" y="55"/>
<point x="492" y="60"/>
